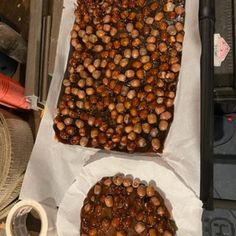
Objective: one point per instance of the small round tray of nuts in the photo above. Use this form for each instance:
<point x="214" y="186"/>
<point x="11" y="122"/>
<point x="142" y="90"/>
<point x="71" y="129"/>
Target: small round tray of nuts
<point x="119" y="88"/>
<point x="118" y="200"/>
<point x="122" y="206"/>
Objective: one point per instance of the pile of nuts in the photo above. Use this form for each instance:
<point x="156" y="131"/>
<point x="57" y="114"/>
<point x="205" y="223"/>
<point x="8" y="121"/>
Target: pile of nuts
<point x="119" y="89"/>
<point x="121" y="206"/>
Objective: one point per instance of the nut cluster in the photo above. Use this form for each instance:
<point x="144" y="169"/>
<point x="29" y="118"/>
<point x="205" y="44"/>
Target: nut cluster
<point x="119" y="90"/>
<point x="121" y="206"/>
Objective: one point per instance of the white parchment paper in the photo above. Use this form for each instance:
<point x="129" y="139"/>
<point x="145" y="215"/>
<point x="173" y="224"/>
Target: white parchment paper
<point x="54" y="166"/>
<point x="180" y="200"/>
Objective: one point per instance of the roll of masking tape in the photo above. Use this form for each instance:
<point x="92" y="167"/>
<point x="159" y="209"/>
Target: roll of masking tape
<point x="16" y="219"/>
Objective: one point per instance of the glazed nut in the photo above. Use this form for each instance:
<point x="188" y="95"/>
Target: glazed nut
<point x="165" y="115"/>
<point x="60" y="126"/>
<point x="118" y="180"/>
<point x="106" y="224"/>
<point x="155" y="201"/>
<point x="132" y="136"/>
<point x="152" y="118"/>
<point x="127" y="182"/>
<point x="79" y="123"/>
<point x="149" y="20"/>
<point x="141" y="191"/>
<point x="129" y="189"/>
<point x="141" y="142"/>
<point x="168" y="7"/>
<point x="179" y="10"/>
<point x="135" y="83"/>
<point x="150" y="191"/>
<point x="139" y="227"/>
<point x="129" y="27"/>
<point x="156" y="144"/>
<point x="161" y="211"/>
<point x="136" y="183"/>
<point x="146" y="128"/>
<point x="87" y="208"/>
<point x="171" y="30"/>
<point x="154" y="132"/>
<point x="107" y="182"/>
<point x="152" y="232"/>
<point x="120" y="233"/>
<point x="97" y="189"/>
<point x="109" y="201"/>
<point x="159" y="16"/>
<point x="93" y="232"/>
<point x="84" y="141"/>
<point x="167" y="233"/>
<point x="163" y="125"/>
<point x="175" y="68"/>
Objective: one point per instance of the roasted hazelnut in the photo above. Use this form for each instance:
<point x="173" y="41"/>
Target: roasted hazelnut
<point x="129" y="73"/>
<point x="129" y="27"/>
<point x="97" y="189"/>
<point x="163" y="125"/>
<point x="79" y="124"/>
<point x="60" y="126"/>
<point x="156" y="144"/>
<point x="155" y="201"/>
<point x="141" y="142"/>
<point x="102" y="138"/>
<point x="109" y="201"/>
<point x="68" y="121"/>
<point x="87" y="208"/>
<point x="168" y="7"/>
<point x="135" y="83"/>
<point x="118" y="180"/>
<point x="152" y="118"/>
<point x="115" y="222"/>
<point x="171" y="30"/>
<point x="80" y="104"/>
<point x="139" y="227"/>
<point x="127" y="182"/>
<point x="146" y="128"/>
<point x="120" y="107"/>
<point x="132" y="136"/>
<point x="161" y="211"/>
<point x="152" y="232"/>
<point x="150" y="191"/>
<point x="163" y="47"/>
<point x="113" y="31"/>
<point x="131" y="146"/>
<point x="166" y="115"/>
<point x="154" y="132"/>
<point x="123" y="141"/>
<point x="107" y="182"/>
<point x="83" y="141"/>
<point x="136" y="183"/>
<point x="159" y="16"/>
<point x="120" y="233"/>
<point x="175" y="68"/>
<point x="140" y="74"/>
<point x="129" y="189"/>
<point x="93" y="232"/>
<point x="106" y="224"/>
<point x="124" y="62"/>
<point x="179" y="10"/>
<point x="141" y="190"/>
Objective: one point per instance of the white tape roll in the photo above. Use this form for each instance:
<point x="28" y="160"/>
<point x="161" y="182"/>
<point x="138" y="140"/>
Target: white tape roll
<point x="16" y="219"/>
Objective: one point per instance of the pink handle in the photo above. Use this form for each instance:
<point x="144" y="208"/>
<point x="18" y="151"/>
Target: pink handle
<point x="12" y="93"/>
